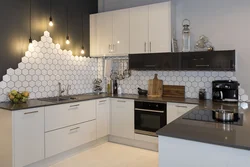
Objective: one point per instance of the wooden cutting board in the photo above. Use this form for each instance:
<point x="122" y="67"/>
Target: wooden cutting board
<point x="173" y="91"/>
<point x="155" y="87"/>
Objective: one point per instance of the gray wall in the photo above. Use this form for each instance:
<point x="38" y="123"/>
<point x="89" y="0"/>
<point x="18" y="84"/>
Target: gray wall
<point x="14" y="16"/>
<point x="108" y="5"/>
<point x="225" y="22"/>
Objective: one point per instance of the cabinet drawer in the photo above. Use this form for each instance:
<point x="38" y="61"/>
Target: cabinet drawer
<point x="65" y="139"/>
<point x="60" y="116"/>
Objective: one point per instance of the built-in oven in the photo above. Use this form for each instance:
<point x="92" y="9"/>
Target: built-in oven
<point x="149" y="117"/>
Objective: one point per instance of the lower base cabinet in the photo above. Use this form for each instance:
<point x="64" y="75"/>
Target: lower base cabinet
<point x="28" y="136"/>
<point x="68" y="138"/>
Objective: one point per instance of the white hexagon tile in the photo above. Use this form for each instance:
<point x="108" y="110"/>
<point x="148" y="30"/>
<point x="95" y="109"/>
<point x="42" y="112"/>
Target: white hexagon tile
<point x="44" y="65"/>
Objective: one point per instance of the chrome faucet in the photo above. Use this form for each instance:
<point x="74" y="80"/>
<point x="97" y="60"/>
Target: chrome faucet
<point x="60" y="90"/>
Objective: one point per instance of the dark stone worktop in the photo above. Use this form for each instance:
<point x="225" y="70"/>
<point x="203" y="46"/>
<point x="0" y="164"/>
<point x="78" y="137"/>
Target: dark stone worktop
<point x="212" y="132"/>
<point x="207" y="132"/>
<point x="84" y="97"/>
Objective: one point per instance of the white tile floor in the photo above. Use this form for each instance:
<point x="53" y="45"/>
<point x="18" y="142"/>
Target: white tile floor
<point x="112" y="155"/>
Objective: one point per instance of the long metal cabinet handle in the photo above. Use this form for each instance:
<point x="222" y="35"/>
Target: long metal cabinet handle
<point x="31" y="112"/>
<point x="145" y="47"/>
<point x="77" y="105"/>
<point x="109" y="48"/>
<point x="182" y="106"/>
<point x="113" y="49"/>
<point x="207" y="65"/>
<point x="156" y="111"/>
<point x="75" y="128"/>
<point x="150" y="47"/>
<point x="121" y="101"/>
<point x="102" y="101"/>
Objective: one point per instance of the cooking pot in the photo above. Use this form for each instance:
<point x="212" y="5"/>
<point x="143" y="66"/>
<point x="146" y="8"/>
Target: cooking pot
<point x="225" y="115"/>
<point x="142" y="92"/>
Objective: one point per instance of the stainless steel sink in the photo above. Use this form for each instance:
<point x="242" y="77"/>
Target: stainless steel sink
<point x="58" y="99"/>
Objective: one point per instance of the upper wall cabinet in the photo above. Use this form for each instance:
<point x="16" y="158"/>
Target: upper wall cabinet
<point x="151" y="28"/>
<point x="146" y="29"/>
<point x="110" y="33"/>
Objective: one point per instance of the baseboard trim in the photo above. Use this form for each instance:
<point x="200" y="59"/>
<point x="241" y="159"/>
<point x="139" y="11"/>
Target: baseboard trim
<point x="67" y="154"/>
<point x="134" y="143"/>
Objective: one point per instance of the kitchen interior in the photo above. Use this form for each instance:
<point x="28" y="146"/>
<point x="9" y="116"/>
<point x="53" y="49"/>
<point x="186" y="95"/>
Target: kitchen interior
<point x="124" y="83"/>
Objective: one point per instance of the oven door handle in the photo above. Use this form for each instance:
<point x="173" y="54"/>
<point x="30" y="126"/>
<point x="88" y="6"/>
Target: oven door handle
<point x="147" y="110"/>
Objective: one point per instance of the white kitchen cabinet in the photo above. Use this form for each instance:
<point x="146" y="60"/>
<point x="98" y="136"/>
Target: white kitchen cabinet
<point x="151" y="28"/>
<point x="139" y="29"/>
<point x="122" y="118"/>
<point x="160" y="27"/>
<point x="28" y="136"/>
<point x="176" y="110"/>
<point x="120" y="45"/>
<point x="68" y="138"/>
<point x="102" y="117"/>
<point x="93" y="35"/>
<point x="104" y="31"/>
<point x="63" y="115"/>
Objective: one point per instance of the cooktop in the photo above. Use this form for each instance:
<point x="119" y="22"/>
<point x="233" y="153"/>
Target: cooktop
<point x="207" y="116"/>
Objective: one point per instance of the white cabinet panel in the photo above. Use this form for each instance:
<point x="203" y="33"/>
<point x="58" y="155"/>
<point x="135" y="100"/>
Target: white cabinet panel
<point x="139" y="29"/>
<point x="104" y="33"/>
<point x="69" y="114"/>
<point x="28" y="136"/>
<point x="122" y="117"/>
<point x="160" y="27"/>
<point x="176" y="110"/>
<point x="93" y="35"/>
<point x="102" y="120"/>
<point x="67" y="138"/>
<point x="121" y="32"/>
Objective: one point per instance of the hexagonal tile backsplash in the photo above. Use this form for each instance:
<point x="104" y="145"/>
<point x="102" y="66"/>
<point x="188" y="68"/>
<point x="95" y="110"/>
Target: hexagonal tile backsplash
<point x="44" y="65"/>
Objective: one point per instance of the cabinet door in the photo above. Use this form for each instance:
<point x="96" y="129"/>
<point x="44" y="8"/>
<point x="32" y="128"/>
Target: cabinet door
<point x="176" y="110"/>
<point x="223" y="60"/>
<point x="121" y="32"/>
<point x="160" y="27"/>
<point x="122" y="115"/>
<point x="104" y="33"/>
<point x="60" y="116"/>
<point x="103" y="115"/>
<point x="93" y="35"/>
<point x="196" y="61"/>
<point x="28" y="136"/>
<point x="139" y="30"/>
<point x="68" y="138"/>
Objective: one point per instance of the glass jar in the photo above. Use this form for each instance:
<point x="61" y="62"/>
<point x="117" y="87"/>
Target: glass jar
<point x="186" y="36"/>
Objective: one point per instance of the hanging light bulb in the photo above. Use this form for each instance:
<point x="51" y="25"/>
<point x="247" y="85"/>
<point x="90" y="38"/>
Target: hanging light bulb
<point x="82" y="51"/>
<point x="50" y="18"/>
<point x="67" y="40"/>
<point x="30" y="43"/>
<point x="30" y="39"/>
<point x="51" y="22"/>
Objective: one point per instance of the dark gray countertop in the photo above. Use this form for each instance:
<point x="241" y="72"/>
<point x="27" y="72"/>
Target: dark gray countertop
<point x="84" y="97"/>
<point x="212" y="132"/>
<point x="207" y="132"/>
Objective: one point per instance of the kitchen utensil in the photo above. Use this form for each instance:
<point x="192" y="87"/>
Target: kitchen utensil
<point x="114" y="75"/>
<point x="127" y="72"/>
<point x="202" y="94"/>
<point x="155" y="87"/>
<point x="121" y="76"/>
<point x="225" y="115"/>
<point x="142" y="92"/>
<point x="174" y="91"/>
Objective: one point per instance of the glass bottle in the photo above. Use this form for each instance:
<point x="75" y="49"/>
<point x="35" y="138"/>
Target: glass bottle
<point x="186" y="36"/>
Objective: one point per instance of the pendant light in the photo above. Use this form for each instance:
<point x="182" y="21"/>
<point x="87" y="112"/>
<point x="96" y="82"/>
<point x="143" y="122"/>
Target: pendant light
<point x="30" y="39"/>
<point x="50" y="17"/>
<point x="82" y="51"/>
<point x="67" y="37"/>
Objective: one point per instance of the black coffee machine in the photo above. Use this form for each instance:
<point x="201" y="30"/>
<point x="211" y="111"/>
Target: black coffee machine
<point x="225" y="91"/>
